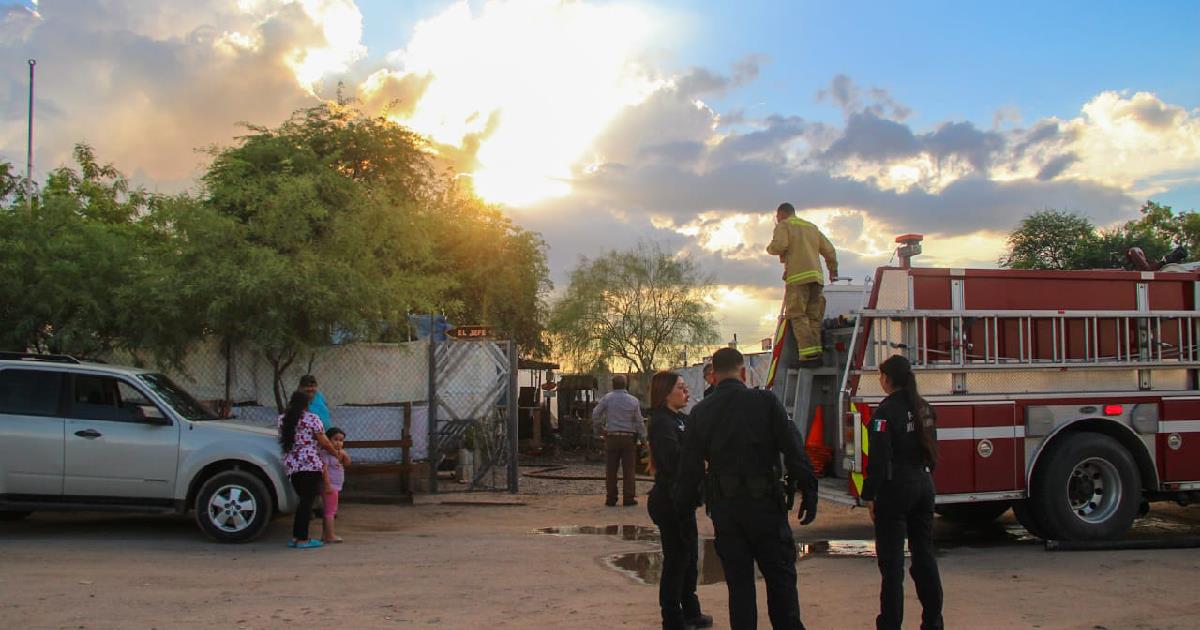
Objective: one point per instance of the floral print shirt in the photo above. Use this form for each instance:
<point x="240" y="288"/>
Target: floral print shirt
<point x="305" y="455"/>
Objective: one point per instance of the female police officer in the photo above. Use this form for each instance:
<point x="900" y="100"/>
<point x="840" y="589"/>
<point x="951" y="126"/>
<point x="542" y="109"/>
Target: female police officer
<point x="899" y="492"/>
<point x="677" y="528"/>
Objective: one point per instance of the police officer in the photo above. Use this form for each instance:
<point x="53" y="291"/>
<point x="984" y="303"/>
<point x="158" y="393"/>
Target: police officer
<point x="740" y="433"/>
<point x="677" y="530"/>
<point x="898" y="490"/>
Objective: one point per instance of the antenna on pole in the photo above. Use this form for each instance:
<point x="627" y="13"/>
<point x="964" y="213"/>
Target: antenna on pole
<point x="29" y="143"/>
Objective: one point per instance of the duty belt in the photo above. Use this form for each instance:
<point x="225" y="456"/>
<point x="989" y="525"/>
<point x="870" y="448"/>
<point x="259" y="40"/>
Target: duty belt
<point x="622" y="433"/>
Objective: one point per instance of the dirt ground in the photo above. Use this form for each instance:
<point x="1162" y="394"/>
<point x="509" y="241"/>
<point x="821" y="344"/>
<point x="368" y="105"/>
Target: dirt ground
<point x="443" y="563"/>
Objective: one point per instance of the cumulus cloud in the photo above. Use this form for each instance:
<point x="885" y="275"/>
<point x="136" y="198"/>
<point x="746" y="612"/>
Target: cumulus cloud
<point x="149" y="83"/>
<point x="523" y="88"/>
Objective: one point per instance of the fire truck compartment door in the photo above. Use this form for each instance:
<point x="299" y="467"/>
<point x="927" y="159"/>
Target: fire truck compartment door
<point x="1179" y="441"/>
<point x="997" y="456"/>
<point x="977" y="448"/>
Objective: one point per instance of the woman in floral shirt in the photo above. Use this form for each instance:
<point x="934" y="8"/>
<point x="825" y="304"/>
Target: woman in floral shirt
<point x="301" y="437"/>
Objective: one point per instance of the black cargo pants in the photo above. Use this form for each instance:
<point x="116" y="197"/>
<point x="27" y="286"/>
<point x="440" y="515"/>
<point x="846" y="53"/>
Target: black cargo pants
<point x="904" y="509"/>
<point x="753" y="531"/>
<point x="677" y="582"/>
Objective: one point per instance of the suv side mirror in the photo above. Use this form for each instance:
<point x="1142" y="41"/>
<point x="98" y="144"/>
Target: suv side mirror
<point x="151" y="414"/>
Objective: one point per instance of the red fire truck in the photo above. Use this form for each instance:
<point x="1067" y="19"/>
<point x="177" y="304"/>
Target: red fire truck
<point x="1071" y="396"/>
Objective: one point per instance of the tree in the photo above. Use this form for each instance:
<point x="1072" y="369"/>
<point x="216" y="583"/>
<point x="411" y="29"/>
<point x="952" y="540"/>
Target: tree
<point x="640" y="306"/>
<point x="326" y="233"/>
<point x="9" y="181"/>
<point x="1047" y="240"/>
<point x="1053" y="239"/>
<point x="80" y="269"/>
<point x="500" y="271"/>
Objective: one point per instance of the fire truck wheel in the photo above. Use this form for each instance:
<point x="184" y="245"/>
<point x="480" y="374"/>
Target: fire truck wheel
<point x="1087" y="488"/>
<point x="973" y="513"/>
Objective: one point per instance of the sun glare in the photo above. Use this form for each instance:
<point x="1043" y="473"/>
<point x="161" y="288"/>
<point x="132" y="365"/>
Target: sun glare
<point x="534" y="80"/>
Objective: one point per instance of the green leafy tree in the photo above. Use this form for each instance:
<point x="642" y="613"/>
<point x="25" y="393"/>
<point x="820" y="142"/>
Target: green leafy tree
<point x="1053" y="239"/>
<point x="326" y="223"/>
<point x="1162" y="229"/>
<point x="500" y="272"/>
<point x="1049" y="239"/>
<point x="9" y="181"/>
<point x="641" y="306"/>
<point x="80" y="269"/>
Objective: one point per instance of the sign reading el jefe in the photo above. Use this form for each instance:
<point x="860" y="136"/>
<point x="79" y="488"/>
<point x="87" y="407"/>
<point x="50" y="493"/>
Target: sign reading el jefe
<point x="472" y="332"/>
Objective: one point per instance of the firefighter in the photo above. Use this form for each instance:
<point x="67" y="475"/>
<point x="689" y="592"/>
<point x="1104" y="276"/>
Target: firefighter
<point x="898" y="491"/>
<point x="798" y="244"/>
<point x="740" y="433"/>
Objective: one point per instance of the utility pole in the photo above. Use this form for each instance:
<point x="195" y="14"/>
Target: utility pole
<point x="29" y="143"/>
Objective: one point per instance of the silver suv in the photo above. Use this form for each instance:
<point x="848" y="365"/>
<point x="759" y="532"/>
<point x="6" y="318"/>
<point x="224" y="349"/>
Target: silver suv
<point x="91" y="436"/>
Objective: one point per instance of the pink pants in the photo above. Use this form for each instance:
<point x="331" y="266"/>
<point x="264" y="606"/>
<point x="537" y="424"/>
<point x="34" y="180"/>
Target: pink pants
<point x="330" y="500"/>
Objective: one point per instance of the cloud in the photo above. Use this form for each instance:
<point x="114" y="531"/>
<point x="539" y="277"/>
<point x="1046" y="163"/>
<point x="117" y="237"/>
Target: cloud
<point x="873" y="139"/>
<point x="1056" y="166"/>
<point x="848" y="95"/>
<point x="523" y="88"/>
<point x="149" y="83"/>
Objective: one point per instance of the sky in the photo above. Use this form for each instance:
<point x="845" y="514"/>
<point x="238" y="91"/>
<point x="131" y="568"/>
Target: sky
<point x="602" y="124"/>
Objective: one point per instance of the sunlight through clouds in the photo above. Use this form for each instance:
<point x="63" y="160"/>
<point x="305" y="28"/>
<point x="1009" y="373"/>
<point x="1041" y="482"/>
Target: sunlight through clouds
<point x="335" y="42"/>
<point x="533" y="81"/>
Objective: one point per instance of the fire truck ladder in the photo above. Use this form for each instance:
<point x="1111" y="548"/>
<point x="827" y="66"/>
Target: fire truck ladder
<point x="1110" y="339"/>
<point x="983" y="341"/>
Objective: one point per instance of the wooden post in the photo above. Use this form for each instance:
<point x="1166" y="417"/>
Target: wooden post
<point x="405" y="455"/>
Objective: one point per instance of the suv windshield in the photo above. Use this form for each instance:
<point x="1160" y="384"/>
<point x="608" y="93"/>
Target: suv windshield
<point x="174" y="395"/>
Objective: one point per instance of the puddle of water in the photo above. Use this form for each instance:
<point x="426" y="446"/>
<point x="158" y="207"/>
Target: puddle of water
<point x="646" y="566"/>
<point x="623" y="532"/>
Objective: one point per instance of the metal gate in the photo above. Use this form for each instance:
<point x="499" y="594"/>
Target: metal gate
<point x="473" y="405"/>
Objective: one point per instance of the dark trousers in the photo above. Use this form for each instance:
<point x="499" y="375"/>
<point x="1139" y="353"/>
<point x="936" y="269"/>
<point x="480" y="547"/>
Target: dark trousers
<point x="620" y="449"/>
<point x="756" y="531"/>
<point x="307" y="485"/>
<point x="677" y="584"/>
<point x="904" y="508"/>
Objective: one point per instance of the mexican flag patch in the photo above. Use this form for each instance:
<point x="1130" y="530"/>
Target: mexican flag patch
<point x="880" y="425"/>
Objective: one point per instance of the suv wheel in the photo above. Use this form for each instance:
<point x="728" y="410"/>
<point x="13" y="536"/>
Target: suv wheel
<point x="7" y="516"/>
<point x="233" y="507"/>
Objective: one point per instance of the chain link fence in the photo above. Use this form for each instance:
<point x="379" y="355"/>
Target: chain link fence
<point x="378" y="395"/>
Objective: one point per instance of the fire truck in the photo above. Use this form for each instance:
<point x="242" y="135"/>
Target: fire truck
<point x="1072" y="397"/>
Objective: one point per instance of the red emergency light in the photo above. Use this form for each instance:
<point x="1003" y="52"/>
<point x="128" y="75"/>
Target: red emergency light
<point x="1113" y="410"/>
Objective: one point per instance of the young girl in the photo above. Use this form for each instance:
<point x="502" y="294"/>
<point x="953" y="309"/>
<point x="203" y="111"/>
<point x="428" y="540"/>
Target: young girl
<point x="334" y="474"/>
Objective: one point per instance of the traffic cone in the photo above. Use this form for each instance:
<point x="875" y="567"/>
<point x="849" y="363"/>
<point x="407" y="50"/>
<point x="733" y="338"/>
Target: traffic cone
<point x="816" y="429"/>
<point x="818" y="453"/>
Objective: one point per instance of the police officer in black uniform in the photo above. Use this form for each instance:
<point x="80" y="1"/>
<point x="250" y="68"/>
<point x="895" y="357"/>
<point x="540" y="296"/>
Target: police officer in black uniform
<point x="898" y="490"/>
<point x="677" y="530"/>
<point x="741" y="432"/>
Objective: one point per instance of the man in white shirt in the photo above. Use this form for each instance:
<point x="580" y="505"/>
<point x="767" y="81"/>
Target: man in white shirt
<point x="618" y="417"/>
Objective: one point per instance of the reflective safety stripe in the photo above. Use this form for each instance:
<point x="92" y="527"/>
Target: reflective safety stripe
<point x="798" y="221"/>
<point x="810" y="350"/>
<point x="805" y="276"/>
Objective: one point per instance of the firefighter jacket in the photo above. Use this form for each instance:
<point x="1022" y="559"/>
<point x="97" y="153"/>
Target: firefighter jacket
<point x="800" y="243"/>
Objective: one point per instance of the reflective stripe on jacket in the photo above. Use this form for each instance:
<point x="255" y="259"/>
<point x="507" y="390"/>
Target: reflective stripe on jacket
<point x="801" y="243"/>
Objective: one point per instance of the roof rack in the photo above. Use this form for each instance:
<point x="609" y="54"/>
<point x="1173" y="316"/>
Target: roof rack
<point x="33" y="356"/>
